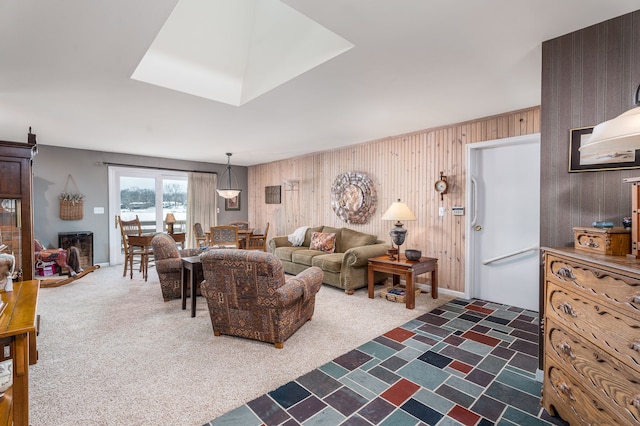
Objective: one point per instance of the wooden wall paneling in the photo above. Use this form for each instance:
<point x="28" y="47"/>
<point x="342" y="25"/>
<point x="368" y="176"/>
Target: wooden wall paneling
<point x="404" y="166"/>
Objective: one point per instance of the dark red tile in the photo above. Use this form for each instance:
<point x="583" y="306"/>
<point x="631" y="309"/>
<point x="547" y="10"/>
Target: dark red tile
<point x="481" y="338"/>
<point x="399" y="334"/>
<point x="461" y="366"/>
<point x="480" y="309"/>
<point x="400" y="392"/>
<point x="464" y="416"/>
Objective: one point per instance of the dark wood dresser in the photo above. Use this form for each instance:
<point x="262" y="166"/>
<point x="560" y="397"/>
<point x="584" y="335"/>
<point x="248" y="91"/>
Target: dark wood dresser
<point x="591" y="337"/>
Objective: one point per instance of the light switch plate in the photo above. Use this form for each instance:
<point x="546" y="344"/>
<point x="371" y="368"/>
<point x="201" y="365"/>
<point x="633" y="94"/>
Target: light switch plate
<point x="441" y="211"/>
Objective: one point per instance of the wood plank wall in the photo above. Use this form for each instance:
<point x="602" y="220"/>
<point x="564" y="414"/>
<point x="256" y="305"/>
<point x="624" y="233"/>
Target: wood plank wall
<point x="588" y="76"/>
<point x="405" y="167"/>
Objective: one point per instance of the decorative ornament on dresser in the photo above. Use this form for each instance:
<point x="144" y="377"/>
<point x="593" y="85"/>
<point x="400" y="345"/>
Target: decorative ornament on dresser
<point x="353" y="197"/>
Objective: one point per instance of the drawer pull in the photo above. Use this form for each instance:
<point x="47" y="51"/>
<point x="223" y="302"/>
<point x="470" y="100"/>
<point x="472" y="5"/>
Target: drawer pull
<point x="565" y="348"/>
<point x="566" y="272"/>
<point x="636" y="346"/>
<point x="566" y="389"/>
<point x="567" y="309"/>
<point x="635" y="401"/>
<point x="636" y="299"/>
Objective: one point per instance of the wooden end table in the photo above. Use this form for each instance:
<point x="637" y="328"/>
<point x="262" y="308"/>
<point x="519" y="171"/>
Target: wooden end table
<point x="410" y="269"/>
<point x="190" y="266"/>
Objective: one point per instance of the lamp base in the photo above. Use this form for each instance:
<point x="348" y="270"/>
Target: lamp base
<point x="392" y="252"/>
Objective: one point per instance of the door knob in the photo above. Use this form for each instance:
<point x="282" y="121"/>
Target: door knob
<point x="478" y="228"/>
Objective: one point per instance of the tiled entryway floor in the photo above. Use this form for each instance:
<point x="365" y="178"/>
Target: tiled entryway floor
<point x="469" y="362"/>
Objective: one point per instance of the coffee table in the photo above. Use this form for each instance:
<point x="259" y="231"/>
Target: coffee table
<point x="410" y="269"/>
<point x="191" y="266"/>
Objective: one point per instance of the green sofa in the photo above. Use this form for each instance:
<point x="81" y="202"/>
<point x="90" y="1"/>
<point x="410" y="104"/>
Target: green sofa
<point x="346" y="268"/>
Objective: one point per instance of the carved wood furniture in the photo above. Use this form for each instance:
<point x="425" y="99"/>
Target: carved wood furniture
<point x="591" y="337"/>
<point x="16" y="200"/>
<point x="18" y="334"/>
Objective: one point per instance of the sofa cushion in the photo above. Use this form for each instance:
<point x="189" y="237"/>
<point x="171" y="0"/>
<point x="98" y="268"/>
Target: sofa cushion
<point x="328" y="262"/>
<point x="351" y="239"/>
<point x="323" y="241"/>
<point x="304" y="256"/>
<point x="285" y="253"/>
<point x="338" y="232"/>
<point x="309" y="234"/>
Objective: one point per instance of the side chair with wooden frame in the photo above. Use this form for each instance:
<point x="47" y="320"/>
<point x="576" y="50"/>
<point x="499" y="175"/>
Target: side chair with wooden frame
<point x="259" y="241"/>
<point x="224" y="236"/>
<point x="132" y="228"/>
<point x="202" y="239"/>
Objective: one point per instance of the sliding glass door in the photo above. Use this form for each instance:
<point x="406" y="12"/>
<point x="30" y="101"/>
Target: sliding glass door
<point x="148" y="194"/>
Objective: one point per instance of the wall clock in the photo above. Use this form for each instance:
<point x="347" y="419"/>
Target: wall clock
<point x="353" y="197"/>
<point x="441" y="186"/>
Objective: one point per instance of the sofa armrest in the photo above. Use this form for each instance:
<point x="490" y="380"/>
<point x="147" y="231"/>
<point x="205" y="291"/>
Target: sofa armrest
<point x="359" y="256"/>
<point x="278" y="241"/>
<point x="306" y="284"/>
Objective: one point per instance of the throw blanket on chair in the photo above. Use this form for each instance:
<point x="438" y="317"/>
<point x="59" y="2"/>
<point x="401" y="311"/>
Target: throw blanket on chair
<point x="297" y="238"/>
<point x="64" y="259"/>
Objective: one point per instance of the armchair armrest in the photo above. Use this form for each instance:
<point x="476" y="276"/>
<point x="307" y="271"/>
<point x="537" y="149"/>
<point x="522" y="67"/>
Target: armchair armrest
<point x="306" y="284"/>
<point x="359" y="256"/>
<point x="188" y="252"/>
<point x="170" y="264"/>
<point x="278" y="241"/>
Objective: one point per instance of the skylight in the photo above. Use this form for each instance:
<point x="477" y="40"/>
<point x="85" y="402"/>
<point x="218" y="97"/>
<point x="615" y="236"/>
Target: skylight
<point x="233" y="51"/>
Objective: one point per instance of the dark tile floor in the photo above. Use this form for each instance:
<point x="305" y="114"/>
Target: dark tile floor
<point x="468" y="362"/>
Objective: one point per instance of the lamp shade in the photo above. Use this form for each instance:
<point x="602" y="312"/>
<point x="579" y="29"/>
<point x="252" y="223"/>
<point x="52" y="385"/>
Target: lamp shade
<point x="618" y="134"/>
<point x="398" y="211"/>
<point x="170" y="218"/>
<point x="225" y="189"/>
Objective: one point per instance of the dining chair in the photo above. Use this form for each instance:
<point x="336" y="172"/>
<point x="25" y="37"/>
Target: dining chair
<point x="259" y="241"/>
<point x="132" y="228"/>
<point x="202" y="239"/>
<point x="224" y="236"/>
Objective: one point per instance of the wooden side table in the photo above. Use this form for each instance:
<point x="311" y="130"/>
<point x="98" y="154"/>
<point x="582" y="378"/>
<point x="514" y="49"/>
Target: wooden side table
<point x="410" y="269"/>
<point x="190" y="266"/>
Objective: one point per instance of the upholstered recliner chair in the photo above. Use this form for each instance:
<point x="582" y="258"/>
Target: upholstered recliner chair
<point x="248" y="295"/>
<point x="169" y="265"/>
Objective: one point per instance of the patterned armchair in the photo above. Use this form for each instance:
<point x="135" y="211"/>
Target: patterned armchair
<point x="169" y="264"/>
<point x="248" y="295"/>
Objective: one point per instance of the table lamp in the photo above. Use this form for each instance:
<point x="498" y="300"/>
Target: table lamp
<point x="170" y="219"/>
<point x="398" y="211"/>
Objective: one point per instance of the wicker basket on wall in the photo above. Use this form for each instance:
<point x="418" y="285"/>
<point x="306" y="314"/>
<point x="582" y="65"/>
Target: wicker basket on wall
<point x="71" y="203"/>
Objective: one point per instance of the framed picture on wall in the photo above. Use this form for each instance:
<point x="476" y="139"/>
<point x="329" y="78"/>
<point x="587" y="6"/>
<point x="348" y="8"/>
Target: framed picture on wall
<point x="614" y="160"/>
<point x="232" y="203"/>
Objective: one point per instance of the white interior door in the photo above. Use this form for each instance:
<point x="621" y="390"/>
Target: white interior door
<point x="503" y="222"/>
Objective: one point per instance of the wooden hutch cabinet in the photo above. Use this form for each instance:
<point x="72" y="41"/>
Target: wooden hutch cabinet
<point x="16" y="203"/>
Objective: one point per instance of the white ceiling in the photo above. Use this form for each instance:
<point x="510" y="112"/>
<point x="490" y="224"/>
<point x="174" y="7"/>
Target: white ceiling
<point x="65" y="68"/>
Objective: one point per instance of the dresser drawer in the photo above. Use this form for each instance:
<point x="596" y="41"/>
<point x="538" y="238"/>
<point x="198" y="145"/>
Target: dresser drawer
<point x="612" y="381"/>
<point x="564" y="396"/>
<point x="603" y="326"/>
<point x="620" y="291"/>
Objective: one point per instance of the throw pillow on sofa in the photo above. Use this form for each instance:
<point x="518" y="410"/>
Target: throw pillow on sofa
<point x="323" y="241"/>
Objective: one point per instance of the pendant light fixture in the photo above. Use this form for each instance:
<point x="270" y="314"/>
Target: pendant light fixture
<point x="618" y="134"/>
<point x="225" y="189"/>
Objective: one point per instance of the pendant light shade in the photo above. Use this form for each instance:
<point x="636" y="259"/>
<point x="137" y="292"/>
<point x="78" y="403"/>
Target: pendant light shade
<point x="225" y="187"/>
<point x="618" y="134"/>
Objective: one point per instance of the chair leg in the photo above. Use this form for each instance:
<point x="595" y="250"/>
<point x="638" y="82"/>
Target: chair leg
<point x="278" y="345"/>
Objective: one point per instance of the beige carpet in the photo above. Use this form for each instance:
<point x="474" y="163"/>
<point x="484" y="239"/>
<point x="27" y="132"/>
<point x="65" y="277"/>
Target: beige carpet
<point x="111" y="352"/>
